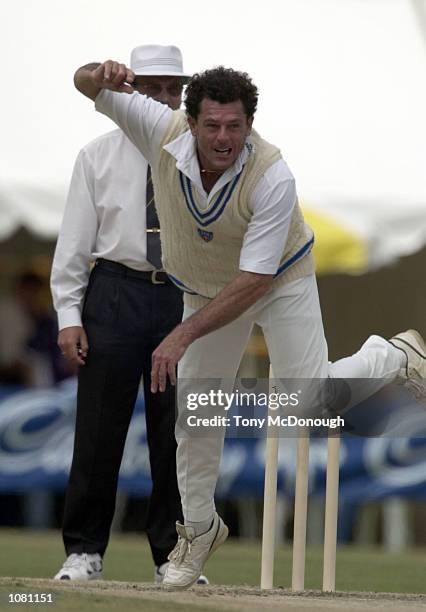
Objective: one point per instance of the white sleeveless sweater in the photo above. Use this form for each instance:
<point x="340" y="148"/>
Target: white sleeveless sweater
<point x="201" y="248"/>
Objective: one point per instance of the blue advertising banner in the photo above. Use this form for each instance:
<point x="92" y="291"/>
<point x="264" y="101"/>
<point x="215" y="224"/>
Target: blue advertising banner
<point x="37" y="431"/>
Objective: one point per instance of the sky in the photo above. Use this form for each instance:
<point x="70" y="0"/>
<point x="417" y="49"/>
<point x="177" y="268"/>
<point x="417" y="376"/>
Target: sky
<point x="342" y="87"/>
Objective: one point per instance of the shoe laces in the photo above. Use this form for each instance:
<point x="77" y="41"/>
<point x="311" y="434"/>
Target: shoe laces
<point x="181" y="552"/>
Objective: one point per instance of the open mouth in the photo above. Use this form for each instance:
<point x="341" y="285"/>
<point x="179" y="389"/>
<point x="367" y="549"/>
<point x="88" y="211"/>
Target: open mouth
<point x="225" y="152"/>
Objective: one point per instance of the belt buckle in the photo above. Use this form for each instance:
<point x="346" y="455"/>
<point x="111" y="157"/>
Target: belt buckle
<point x="154" y="280"/>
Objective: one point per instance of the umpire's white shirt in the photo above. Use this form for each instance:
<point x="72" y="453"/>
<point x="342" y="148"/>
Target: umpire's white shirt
<point x="104" y="217"/>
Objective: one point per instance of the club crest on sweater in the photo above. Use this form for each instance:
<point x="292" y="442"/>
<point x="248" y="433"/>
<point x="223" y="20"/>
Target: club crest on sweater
<point x="206" y="236"/>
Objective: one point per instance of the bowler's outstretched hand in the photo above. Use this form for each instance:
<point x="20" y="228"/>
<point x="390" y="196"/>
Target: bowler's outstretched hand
<point x="91" y="78"/>
<point x="115" y="76"/>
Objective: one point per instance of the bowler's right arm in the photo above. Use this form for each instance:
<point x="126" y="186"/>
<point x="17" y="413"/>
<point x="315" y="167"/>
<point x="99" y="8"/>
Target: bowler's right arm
<point x="91" y="78"/>
<point x="142" y="119"/>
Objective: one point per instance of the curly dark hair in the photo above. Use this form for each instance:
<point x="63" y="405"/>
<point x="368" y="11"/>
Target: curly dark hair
<point x="221" y="85"/>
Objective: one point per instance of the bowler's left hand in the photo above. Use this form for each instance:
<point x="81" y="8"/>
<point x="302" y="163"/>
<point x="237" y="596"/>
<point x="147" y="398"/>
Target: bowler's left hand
<point x="166" y="356"/>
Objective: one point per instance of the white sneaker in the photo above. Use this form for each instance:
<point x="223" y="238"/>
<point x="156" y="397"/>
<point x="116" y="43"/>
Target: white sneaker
<point x="413" y="375"/>
<point x="81" y="567"/>
<point x="160" y="571"/>
<point x="202" y="579"/>
<point x="190" y="553"/>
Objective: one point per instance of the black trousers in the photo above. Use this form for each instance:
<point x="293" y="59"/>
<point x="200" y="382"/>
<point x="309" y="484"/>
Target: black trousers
<point x="125" y="318"/>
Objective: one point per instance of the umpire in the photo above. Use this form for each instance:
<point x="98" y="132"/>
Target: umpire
<point x="110" y="322"/>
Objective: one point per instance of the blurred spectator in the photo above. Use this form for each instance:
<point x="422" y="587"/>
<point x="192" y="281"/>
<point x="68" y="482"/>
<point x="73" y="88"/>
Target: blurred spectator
<point x="29" y="354"/>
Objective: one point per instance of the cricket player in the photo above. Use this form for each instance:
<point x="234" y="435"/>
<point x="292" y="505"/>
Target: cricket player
<point x="234" y="239"/>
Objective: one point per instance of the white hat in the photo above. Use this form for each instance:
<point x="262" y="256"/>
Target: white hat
<point x="157" y="60"/>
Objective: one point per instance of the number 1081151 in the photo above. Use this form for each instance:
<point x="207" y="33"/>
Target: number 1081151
<point x="30" y="598"/>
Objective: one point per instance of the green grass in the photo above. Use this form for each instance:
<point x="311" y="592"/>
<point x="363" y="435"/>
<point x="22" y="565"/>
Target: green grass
<point x="80" y="602"/>
<point x="40" y="554"/>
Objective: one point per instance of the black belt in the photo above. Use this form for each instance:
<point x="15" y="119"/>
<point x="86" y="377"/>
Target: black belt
<point x="156" y="277"/>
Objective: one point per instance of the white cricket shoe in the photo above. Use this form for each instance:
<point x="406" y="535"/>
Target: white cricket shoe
<point x="160" y="571"/>
<point x="190" y="553"/>
<point x="413" y="375"/>
<point x="81" y="567"/>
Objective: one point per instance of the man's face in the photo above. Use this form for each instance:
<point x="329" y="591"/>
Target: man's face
<point x="164" y="89"/>
<point x="221" y="131"/>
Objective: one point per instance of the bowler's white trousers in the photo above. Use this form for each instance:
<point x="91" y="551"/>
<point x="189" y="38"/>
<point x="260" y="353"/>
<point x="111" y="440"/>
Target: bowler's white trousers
<point x="290" y="317"/>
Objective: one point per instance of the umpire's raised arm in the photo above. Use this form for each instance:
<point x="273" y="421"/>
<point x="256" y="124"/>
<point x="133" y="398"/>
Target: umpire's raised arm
<point x="91" y="78"/>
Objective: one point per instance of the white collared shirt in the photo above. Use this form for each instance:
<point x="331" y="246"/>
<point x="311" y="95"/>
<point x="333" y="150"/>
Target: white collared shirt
<point x="145" y="122"/>
<point x="183" y="149"/>
<point x="104" y="217"/>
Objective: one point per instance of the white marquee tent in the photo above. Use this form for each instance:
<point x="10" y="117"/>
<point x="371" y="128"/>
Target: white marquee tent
<point x="343" y="93"/>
